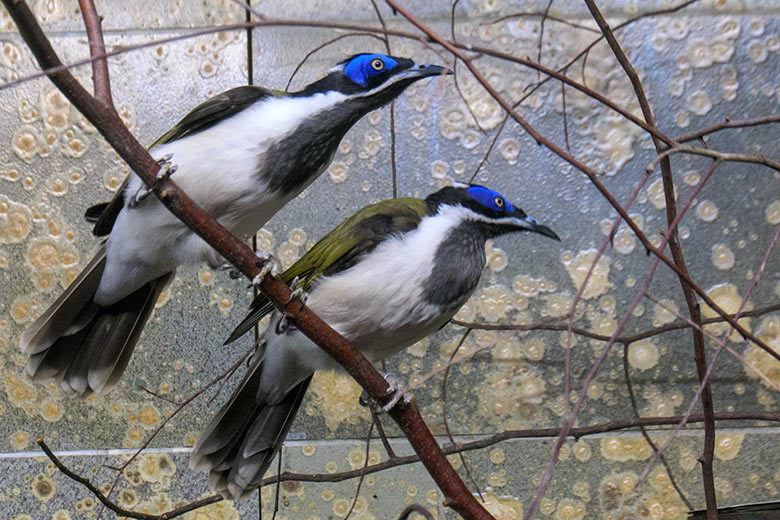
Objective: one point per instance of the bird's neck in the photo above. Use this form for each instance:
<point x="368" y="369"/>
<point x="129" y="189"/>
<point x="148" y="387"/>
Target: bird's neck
<point x="457" y="265"/>
<point x="294" y="161"/>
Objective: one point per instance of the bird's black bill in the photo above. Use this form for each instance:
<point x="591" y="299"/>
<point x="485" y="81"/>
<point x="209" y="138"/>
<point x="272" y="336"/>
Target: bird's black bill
<point x="544" y="230"/>
<point x="425" y="71"/>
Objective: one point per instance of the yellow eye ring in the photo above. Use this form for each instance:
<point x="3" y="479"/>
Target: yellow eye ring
<point x="377" y="64"/>
<point x="499" y="202"/>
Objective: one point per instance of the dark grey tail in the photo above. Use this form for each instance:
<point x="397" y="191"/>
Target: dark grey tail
<point x="242" y="440"/>
<point x="81" y="345"/>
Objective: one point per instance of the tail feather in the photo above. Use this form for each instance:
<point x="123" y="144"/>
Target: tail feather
<point x="129" y="317"/>
<point x="81" y="345"/>
<point x="56" y="320"/>
<point x="244" y="437"/>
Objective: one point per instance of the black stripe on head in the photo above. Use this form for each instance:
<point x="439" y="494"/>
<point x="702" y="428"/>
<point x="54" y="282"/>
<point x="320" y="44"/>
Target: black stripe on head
<point x="459" y="195"/>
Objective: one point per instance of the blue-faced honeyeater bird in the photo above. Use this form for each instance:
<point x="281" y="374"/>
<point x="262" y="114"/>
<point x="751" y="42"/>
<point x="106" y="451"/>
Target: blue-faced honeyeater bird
<point x="241" y="156"/>
<point x="391" y="274"/>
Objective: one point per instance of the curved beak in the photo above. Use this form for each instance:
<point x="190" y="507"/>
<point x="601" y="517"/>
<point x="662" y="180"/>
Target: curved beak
<point x="523" y="221"/>
<point x="421" y="70"/>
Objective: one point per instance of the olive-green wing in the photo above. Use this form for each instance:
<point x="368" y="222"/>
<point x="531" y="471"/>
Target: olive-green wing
<point x="342" y="248"/>
<point x="203" y="116"/>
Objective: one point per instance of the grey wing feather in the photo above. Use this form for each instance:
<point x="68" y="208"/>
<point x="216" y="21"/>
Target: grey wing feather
<point x="56" y="320"/>
<point x="242" y="440"/>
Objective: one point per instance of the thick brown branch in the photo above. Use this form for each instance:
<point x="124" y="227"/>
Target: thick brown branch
<point x="240" y="255"/>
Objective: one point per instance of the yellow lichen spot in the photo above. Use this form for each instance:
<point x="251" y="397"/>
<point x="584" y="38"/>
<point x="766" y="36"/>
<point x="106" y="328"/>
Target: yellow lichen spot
<point x="727" y="445"/>
<point x="643" y="355"/>
<point x="616" y="489"/>
<point x="51" y="410"/>
<point x="624" y="241"/>
<point x="502" y="507"/>
<point x="357" y="457"/>
<point x="341" y="507"/>
<point x="557" y="305"/>
<point x="297" y="237"/>
<point x="15" y="221"/>
<point x="153" y="467"/>
<point x="582" y="451"/>
<point x="655" y="194"/>
<point x="61" y="514"/>
<point x="722" y="257"/>
<point x="338" y="171"/>
<point x="622" y="449"/>
<point x="43" y="255"/>
<point x="308" y="450"/>
<point x="578" y="268"/>
<point x="569" y="509"/>
<point x="43" y="488"/>
<point x="148" y="416"/>
<point x="663" y="315"/>
<point x="336" y="398"/>
<point x="726" y="297"/>
<point x="128" y="497"/>
<point x="419" y="349"/>
<point x="205" y="278"/>
<point x="769" y="332"/>
<point x="494" y="303"/>
<point x="225" y="510"/>
<point x="772" y="213"/>
<point x="707" y="211"/>
<point x="19" y="440"/>
<point x="533" y="349"/>
<point x="497" y="456"/>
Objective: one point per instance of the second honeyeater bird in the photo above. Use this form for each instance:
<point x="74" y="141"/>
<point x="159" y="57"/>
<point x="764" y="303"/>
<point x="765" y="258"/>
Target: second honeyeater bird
<point x="393" y="273"/>
<point x="241" y="156"/>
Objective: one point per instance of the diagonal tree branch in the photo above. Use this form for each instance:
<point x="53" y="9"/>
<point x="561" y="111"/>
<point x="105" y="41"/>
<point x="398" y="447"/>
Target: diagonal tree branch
<point x="241" y="256"/>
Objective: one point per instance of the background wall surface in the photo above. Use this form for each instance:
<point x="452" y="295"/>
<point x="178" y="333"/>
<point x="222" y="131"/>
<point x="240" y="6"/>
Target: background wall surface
<point x="709" y="61"/>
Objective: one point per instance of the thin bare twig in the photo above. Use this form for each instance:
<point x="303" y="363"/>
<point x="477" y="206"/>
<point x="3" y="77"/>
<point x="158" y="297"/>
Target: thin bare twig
<point x="100" y="78"/>
<point x="645" y="434"/>
<point x="111" y="505"/>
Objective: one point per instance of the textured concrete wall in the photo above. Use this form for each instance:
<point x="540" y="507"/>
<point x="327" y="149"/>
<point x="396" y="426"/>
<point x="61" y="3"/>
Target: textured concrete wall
<point x="713" y="60"/>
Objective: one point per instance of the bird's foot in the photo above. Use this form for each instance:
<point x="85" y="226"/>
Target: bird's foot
<point x="398" y="390"/>
<point x="233" y="273"/>
<point x="269" y="267"/>
<point x="167" y="168"/>
<point x="298" y="293"/>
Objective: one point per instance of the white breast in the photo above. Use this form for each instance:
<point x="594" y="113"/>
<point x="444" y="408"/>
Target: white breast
<point x="217" y="168"/>
<point x="378" y="304"/>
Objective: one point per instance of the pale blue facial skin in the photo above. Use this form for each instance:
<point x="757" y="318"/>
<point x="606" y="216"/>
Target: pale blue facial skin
<point x="487" y="198"/>
<point x="360" y="69"/>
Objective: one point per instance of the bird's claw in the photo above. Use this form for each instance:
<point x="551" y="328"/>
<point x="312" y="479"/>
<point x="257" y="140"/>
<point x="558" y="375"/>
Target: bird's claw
<point x="166" y="170"/>
<point x="298" y="293"/>
<point x="398" y="390"/>
<point x="269" y="267"/>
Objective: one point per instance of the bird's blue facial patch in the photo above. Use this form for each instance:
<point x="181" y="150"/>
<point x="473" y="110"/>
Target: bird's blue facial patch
<point x="362" y="67"/>
<point x="491" y="199"/>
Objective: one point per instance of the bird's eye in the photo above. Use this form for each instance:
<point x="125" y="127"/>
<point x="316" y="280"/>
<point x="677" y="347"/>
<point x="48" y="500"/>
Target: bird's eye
<point x="377" y="64"/>
<point x="499" y="202"/>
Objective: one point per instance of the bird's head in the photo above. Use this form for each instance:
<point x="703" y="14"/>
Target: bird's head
<point x="492" y="213"/>
<point x="374" y="79"/>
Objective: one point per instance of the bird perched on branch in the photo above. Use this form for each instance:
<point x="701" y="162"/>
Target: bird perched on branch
<point x="241" y="156"/>
<point x="391" y="274"/>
